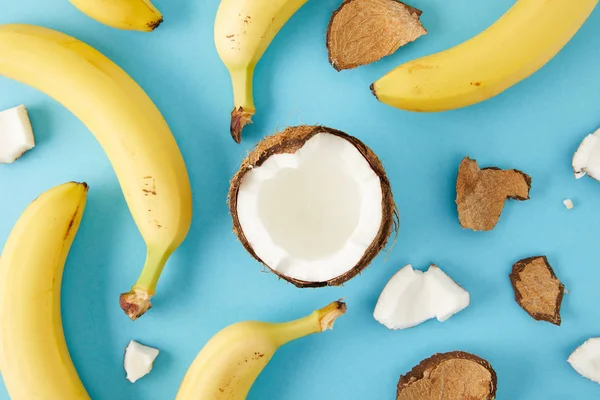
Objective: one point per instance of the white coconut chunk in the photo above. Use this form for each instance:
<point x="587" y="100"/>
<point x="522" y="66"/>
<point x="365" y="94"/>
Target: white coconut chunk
<point x="412" y="297"/>
<point x="139" y="360"/>
<point x="311" y="215"/>
<point x="568" y="204"/>
<point x="587" y="157"/>
<point x="586" y="359"/>
<point x="16" y="134"/>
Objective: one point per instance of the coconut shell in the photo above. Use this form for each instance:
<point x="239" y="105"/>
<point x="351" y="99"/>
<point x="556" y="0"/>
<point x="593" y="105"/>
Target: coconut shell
<point x="364" y="31"/>
<point x="449" y="376"/>
<point x="481" y="193"/>
<point x="289" y="141"/>
<point x="537" y="289"/>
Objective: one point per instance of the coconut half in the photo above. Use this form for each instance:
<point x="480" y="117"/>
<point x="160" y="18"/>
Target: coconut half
<point x="313" y="204"/>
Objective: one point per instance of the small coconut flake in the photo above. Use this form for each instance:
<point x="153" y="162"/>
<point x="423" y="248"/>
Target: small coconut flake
<point x="568" y="204"/>
<point x="537" y="289"/>
<point x="363" y="31"/>
<point x="586" y="159"/>
<point x="481" y="193"/>
<point x="313" y="204"/>
<point x="586" y="359"/>
<point x="412" y="297"/>
<point x="139" y="360"/>
<point x="16" y="134"/>
<point x="449" y="376"/>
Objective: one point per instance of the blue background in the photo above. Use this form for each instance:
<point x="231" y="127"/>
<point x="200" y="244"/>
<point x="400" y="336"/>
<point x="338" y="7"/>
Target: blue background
<point x="211" y="282"/>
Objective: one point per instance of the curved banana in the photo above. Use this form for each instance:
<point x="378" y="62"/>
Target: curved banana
<point x="129" y="127"/>
<point x="517" y="45"/>
<point x="138" y="15"/>
<point x="231" y="361"/>
<point x="34" y="356"/>
<point x="243" y="31"/>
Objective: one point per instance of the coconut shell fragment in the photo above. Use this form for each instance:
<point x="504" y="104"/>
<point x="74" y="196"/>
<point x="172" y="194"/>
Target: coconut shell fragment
<point x="481" y="193"/>
<point x="449" y="376"/>
<point x="290" y="142"/>
<point x="364" y="31"/>
<point x="537" y="289"/>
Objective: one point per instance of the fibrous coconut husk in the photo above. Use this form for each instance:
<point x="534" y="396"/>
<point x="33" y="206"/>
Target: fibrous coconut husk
<point x="449" y="376"/>
<point x="481" y="193"/>
<point x="364" y="31"/>
<point x="537" y="289"/>
<point x="289" y="141"/>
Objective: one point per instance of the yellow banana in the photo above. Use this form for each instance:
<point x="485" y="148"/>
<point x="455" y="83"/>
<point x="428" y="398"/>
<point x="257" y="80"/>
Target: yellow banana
<point x="517" y="45"/>
<point x="243" y="31"/>
<point x="129" y="127"/>
<point x="231" y="361"/>
<point x="138" y="15"/>
<point x="34" y="357"/>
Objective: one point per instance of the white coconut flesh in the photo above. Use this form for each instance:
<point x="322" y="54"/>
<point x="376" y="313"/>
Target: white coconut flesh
<point x="587" y="157"/>
<point x="16" y="134"/>
<point x="139" y="360"/>
<point x="312" y="215"/>
<point x="412" y="297"/>
<point x="586" y="359"/>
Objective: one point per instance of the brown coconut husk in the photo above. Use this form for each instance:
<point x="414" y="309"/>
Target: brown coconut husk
<point x="289" y="141"/>
<point x="450" y="376"/>
<point x="482" y="192"/>
<point x="364" y="31"/>
<point x="537" y="289"/>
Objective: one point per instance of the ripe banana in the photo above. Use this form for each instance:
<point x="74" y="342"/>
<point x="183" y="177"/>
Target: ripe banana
<point x="517" y="45"/>
<point x="231" y="361"/>
<point x="243" y="31"/>
<point x="34" y="357"/>
<point x="129" y="127"/>
<point x="138" y="15"/>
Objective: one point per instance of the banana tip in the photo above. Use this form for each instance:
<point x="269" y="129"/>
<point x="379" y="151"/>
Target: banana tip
<point x="135" y="303"/>
<point x="372" y="87"/>
<point x="155" y="24"/>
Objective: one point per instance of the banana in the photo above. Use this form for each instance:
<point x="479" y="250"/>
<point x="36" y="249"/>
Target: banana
<point x="243" y="31"/>
<point x="129" y="127"/>
<point x="138" y="15"/>
<point x="34" y="357"/>
<point x="231" y="361"/>
<point x="513" y="48"/>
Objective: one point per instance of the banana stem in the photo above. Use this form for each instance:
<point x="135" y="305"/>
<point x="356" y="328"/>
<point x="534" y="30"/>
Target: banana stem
<point x="243" y="102"/>
<point x="241" y="79"/>
<point x="319" y="321"/>
<point x="137" y="301"/>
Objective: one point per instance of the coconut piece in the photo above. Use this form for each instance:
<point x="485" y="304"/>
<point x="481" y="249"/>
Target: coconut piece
<point x="481" y="193"/>
<point x="586" y="159"/>
<point x="313" y="204"/>
<point x="537" y="289"/>
<point x="586" y="359"/>
<point x="449" y="376"/>
<point x="364" y="31"/>
<point x="568" y="204"/>
<point x="139" y="360"/>
<point x="412" y="297"/>
<point x="16" y="134"/>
